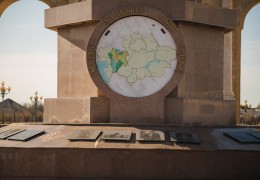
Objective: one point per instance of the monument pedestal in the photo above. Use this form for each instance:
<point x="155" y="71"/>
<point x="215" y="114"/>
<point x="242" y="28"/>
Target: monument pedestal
<point x="198" y="82"/>
<point x="137" y="113"/>
<point x="52" y="156"/>
<point x="77" y="110"/>
<point x="198" y="111"/>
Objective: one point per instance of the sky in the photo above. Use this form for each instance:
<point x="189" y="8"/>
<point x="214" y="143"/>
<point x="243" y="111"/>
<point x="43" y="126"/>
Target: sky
<point x="250" y="58"/>
<point x="28" y="53"/>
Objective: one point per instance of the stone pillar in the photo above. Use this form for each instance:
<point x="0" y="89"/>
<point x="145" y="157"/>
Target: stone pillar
<point x="228" y="93"/>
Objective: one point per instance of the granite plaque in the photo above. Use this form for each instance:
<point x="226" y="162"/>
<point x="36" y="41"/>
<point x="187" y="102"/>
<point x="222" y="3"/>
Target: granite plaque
<point x="11" y="132"/>
<point x="150" y="135"/>
<point x="83" y="135"/>
<point x="26" y="135"/>
<point x="242" y="137"/>
<point x="118" y="135"/>
<point x="4" y="130"/>
<point x="255" y="134"/>
<point x="184" y="137"/>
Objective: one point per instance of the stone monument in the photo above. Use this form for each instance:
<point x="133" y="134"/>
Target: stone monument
<point x="142" y="62"/>
<point x="139" y="66"/>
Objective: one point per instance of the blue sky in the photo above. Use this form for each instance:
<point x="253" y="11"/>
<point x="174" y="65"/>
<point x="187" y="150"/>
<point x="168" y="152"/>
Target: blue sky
<point x="250" y="57"/>
<point x="28" y="53"/>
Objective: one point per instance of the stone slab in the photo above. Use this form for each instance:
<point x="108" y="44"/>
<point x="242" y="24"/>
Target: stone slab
<point x="26" y="135"/>
<point x="150" y="136"/>
<point x="2" y="130"/>
<point x="90" y="10"/>
<point x="242" y="137"/>
<point x="255" y="134"/>
<point x="196" y="111"/>
<point x="77" y="110"/>
<point x="116" y="135"/>
<point x="137" y="112"/>
<point x="56" y="136"/>
<point x="11" y="132"/>
<point x="84" y="135"/>
<point x="179" y="137"/>
<point x="52" y="156"/>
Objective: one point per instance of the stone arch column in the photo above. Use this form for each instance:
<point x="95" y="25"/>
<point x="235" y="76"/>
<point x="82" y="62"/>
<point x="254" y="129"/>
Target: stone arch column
<point x="228" y="93"/>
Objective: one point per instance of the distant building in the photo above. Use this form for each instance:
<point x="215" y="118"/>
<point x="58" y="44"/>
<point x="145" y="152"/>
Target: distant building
<point x="10" y="104"/>
<point x="14" y="112"/>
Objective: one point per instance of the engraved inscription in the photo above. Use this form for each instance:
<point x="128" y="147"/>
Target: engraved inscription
<point x="168" y="23"/>
<point x="52" y="136"/>
<point x="91" y="58"/>
<point x="123" y="12"/>
<point x="181" y="60"/>
<point x="109" y="55"/>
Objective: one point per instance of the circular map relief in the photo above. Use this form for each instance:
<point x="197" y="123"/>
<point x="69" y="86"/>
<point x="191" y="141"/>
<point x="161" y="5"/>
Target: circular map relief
<point x="136" y="56"/>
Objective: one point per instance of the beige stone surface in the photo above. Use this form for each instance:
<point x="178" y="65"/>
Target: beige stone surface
<point x="76" y="110"/>
<point x="73" y="76"/>
<point x="203" y="77"/>
<point x="69" y="14"/>
<point x="200" y="111"/>
<point x="90" y="10"/>
<point x="203" y="28"/>
<point x="228" y="93"/>
<point x="56" y="136"/>
<point x="52" y="156"/>
<point x="137" y="112"/>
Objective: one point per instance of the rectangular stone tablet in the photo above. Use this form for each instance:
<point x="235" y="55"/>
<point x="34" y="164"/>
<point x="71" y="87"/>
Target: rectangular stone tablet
<point x="150" y="135"/>
<point x="255" y="134"/>
<point x="192" y="138"/>
<point x="25" y="135"/>
<point x="118" y="135"/>
<point x="10" y="133"/>
<point x="4" y="130"/>
<point x="242" y="137"/>
<point x="83" y="135"/>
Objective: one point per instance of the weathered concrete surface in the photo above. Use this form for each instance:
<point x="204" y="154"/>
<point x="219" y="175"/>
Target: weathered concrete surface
<point x="77" y="110"/>
<point x="90" y="10"/>
<point x="196" y="111"/>
<point x="203" y="27"/>
<point x="53" y="156"/>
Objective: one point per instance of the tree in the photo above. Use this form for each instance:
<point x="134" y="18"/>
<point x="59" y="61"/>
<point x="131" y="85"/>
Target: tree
<point x="258" y="105"/>
<point x="245" y="106"/>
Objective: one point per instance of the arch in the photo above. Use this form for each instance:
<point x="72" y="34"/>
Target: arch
<point x="245" y="11"/>
<point x="24" y="37"/>
<point x="4" y="4"/>
<point x="242" y="13"/>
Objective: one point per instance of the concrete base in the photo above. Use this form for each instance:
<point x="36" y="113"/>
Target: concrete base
<point x="176" y="111"/>
<point x="52" y="156"/>
<point x="76" y="110"/>
<point x="200" y="111"/>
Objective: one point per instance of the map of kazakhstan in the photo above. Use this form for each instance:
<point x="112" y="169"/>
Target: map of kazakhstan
<point x="136" y="56"/>
<point x="141" y="57"/>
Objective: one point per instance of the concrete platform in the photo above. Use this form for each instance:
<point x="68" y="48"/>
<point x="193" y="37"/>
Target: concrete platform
<point x="52" y="156"/>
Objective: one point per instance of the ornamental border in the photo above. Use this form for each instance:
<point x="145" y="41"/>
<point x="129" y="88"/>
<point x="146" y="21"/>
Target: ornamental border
<point x="136" y="11"/>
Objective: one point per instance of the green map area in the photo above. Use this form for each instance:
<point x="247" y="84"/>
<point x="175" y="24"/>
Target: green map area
<point x="141" y="57"/>
<point x="118" y="58"/>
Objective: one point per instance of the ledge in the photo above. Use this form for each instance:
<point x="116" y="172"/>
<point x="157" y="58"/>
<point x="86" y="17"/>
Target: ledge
<point x="53" y="156"/>
<point x="188" y="11"/>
